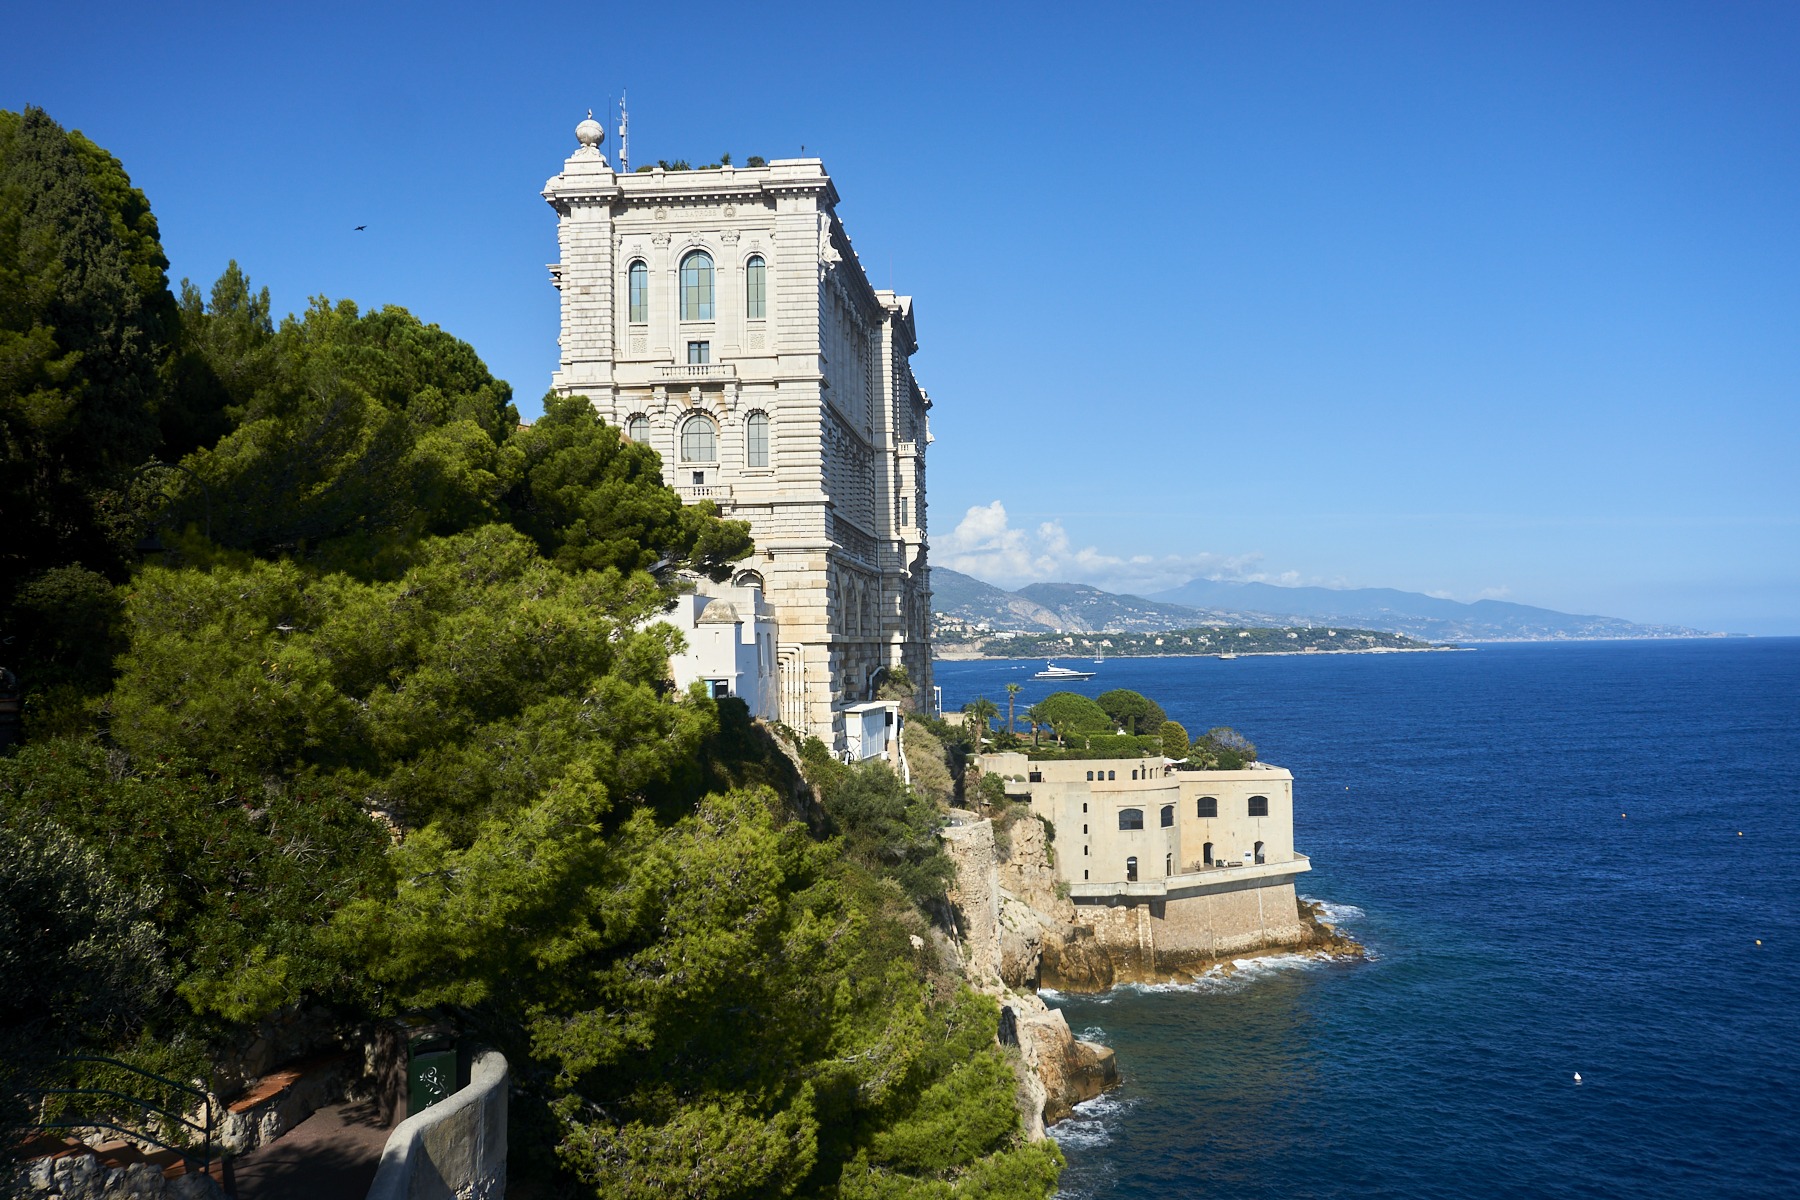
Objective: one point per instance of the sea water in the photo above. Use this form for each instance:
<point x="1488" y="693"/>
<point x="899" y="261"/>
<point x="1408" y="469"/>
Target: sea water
<point x="1561" y="857"/>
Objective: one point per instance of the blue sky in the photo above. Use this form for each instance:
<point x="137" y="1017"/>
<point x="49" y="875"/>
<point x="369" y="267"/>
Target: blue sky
<point x="1497" y="300"/>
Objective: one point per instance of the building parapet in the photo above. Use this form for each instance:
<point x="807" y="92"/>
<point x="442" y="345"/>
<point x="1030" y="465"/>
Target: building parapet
<point x="1193" y="883"/>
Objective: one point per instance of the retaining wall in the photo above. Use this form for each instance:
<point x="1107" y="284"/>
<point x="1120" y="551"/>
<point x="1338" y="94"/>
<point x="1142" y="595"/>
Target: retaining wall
<point x="454" y="1150"/>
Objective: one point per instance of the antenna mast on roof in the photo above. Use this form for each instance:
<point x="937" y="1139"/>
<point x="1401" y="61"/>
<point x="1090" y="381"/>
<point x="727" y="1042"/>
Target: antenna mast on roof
<point x="624" y="137"/>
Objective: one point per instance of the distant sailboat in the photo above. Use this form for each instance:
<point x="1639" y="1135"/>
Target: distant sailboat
<point x="1099" y="657"/>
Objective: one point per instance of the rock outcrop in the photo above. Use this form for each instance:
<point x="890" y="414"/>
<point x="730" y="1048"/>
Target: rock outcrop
<point x="999" y="938"/>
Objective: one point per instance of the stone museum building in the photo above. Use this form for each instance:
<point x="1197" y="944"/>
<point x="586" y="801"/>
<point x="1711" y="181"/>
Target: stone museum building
<point x="721" y="317"/>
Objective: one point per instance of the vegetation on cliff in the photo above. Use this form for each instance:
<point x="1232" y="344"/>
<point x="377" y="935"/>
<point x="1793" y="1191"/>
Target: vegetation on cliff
<point x="382" y="725"/>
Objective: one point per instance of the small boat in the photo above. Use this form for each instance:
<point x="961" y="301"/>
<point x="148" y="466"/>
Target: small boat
<point x="1052" y="671"/>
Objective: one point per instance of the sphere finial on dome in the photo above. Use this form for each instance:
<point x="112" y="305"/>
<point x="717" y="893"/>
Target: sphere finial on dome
<point x="590" y="133"/>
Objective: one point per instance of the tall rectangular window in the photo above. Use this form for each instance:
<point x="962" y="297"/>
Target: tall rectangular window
<point x="905" y="513"/>
<point x="756" y="440"/>
<point x="699" y="353"/>
<point x="756" y="288"/>
<point x="638" y="293"/>
<point x="697" y="287"/>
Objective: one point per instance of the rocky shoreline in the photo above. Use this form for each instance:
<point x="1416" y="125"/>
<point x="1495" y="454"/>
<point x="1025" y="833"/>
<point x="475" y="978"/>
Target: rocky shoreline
<point x="1017" y="931"/>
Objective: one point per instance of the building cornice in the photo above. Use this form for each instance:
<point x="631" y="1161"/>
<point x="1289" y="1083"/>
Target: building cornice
<point x="584" y="182"/>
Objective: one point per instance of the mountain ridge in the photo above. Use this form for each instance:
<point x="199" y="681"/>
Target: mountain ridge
<point x="1080" y="608"/>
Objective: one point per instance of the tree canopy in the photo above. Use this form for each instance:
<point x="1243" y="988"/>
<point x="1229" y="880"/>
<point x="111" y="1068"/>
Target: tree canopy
<point x="1070" y="712"/>
<point x="1132" y="711"/>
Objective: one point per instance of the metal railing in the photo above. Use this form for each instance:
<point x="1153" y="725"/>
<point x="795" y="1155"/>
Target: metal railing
<point x="202" y="1161"/>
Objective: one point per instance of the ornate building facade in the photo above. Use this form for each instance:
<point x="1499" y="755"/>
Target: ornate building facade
<point x="721" y="317"/>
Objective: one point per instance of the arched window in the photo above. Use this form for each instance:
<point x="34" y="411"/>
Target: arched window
<point x="1168" y="815"/>
<point x="1131" y="818"/>
<point x="699" y="441"/>
<point x="637" y="292"/>
<point x="697" y="287"/>
<point x="1208" y="806"/>
<point x="637" y="428"/>
<point x="1206" y="854"/>
<point x="1168" y="864"/>
<point x="1112" y="774"/>
<point x="1131" y="870"/>
<point x="1090" y="777"/>
<point x="756" y="440"/>
<point x="1259" y="806"/>
<point x="756" y="288"/>
<point x="1259" y="854"/>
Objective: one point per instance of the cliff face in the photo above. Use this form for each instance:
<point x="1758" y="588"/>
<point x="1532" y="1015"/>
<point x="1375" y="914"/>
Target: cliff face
<point x="1000" y="939"/>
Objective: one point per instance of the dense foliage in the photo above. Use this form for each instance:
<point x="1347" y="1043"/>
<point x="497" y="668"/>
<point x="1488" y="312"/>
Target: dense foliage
<point x="384" y="727"/>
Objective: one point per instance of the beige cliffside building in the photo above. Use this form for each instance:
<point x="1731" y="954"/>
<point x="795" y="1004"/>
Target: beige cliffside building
<point x="721" y="317"/>
<point x="1173" y="867"/>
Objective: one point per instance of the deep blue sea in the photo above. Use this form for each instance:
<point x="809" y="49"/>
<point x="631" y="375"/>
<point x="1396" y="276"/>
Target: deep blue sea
<point x="1561" y="859"/>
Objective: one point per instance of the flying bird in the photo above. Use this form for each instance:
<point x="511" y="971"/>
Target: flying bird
<point x="360" y="228"/>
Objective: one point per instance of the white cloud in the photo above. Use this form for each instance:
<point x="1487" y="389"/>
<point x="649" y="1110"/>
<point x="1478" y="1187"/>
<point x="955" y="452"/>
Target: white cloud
<point x="985" y="544"/>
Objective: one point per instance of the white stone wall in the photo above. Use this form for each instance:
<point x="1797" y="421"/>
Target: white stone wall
<point x="841" y="560"/>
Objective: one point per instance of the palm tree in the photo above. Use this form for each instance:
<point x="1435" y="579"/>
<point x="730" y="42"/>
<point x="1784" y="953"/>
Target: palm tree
<point x="981" y="710"/>
<point x="1012" y="693"/>
<point x="1034" y="716"/>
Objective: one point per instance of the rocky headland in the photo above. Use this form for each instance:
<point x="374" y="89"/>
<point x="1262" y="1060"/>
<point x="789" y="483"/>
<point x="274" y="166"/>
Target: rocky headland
<point x="1017" y="932"/>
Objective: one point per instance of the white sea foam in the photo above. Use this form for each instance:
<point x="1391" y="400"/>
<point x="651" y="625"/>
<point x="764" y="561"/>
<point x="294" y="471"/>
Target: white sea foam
<point x="1235" y="975"/>
<point x="1094" y="1034"/>
<point x="1336" y="914"/>
<point x="1050" y="995"/>
<point x="1092" y="1124"/>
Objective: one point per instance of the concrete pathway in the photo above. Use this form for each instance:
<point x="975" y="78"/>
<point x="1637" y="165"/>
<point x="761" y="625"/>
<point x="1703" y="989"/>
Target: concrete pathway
<point x="331" y="1155"/>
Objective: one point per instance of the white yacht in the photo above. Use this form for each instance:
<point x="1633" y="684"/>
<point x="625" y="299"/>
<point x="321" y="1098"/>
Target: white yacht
<point x="1052" y="671"/>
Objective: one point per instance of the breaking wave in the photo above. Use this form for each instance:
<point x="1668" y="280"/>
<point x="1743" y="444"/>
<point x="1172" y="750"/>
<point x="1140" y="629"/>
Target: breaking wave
<point x="1092" y="1124"/>
<point x="1336" y="914"/>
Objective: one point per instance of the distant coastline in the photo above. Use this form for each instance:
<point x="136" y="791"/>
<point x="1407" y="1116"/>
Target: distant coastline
<point x="965" y="653"/>
<point x="953" y="639"/>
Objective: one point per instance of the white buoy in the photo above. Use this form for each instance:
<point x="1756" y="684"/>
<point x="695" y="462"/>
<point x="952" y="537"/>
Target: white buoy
<point x="1578" y="1077"/>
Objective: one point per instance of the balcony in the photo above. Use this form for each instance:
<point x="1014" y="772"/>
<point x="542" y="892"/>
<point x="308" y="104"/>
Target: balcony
<point x="695" y="372"/>
<point x="703" y="491"/>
